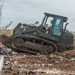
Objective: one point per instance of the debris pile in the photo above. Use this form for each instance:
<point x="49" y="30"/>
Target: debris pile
<point x="26" y="64"/>
<point x="6" y="32"/>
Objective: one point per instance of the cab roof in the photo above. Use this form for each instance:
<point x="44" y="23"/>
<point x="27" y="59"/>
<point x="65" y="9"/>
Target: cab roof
<point x="53" y="15"/>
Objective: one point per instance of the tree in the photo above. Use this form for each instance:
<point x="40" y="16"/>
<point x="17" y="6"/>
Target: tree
<point x="1" y="6"/>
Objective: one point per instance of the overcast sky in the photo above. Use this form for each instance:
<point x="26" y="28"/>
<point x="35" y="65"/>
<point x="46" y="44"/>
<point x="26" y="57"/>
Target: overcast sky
<point x="29" y="11"/>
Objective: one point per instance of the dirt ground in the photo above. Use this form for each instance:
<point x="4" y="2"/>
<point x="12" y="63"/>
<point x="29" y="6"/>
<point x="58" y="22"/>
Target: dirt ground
<point x="27" y="64"/>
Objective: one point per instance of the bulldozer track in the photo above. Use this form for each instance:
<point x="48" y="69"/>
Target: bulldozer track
<point x="31" y="44"/>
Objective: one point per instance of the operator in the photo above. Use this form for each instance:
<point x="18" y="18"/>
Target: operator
<point x="51" y="22"/>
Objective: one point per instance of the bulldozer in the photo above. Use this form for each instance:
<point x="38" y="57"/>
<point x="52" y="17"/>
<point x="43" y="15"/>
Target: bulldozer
<point x="50" y="36"/>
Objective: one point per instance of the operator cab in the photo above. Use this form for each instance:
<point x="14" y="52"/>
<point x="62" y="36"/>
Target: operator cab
<point x="54" y="23"/>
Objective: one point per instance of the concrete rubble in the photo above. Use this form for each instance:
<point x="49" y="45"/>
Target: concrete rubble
<point x="6" y="50"/>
